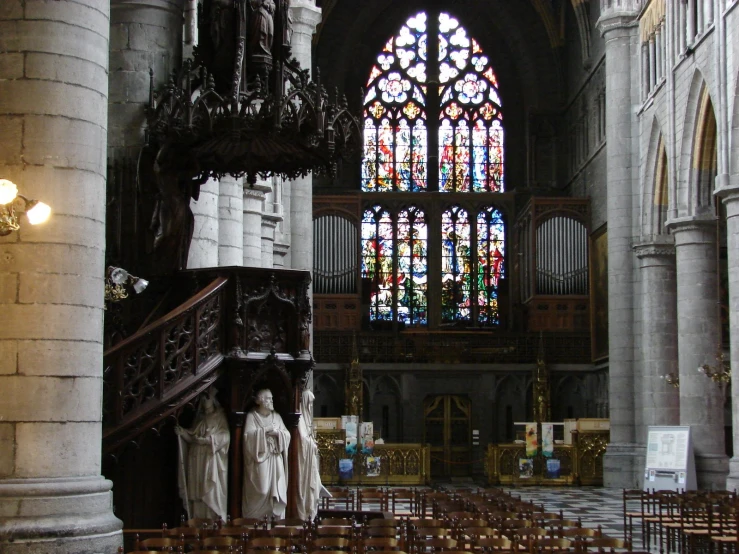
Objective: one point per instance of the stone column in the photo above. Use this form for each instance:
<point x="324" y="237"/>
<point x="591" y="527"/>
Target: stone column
<point x="144" y="35"/>
<point x="253" y="200"/>
<point x="204" y="245"/>
<point x="660" y="401"/>
<point x="699" y="338"/>
<point x="269" y="226"/>
<point x="53" y="113"/>
<point x="306" y="17"/>
<point x="618" y="27"/>
<point x="731" y="201"/>
<point x="231" y="222"/>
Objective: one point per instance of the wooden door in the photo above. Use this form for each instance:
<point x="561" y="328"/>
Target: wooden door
<point x="447" y="430"/>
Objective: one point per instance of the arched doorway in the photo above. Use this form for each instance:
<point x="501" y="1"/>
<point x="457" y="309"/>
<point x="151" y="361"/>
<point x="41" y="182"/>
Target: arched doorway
<point x="447" y="430"/>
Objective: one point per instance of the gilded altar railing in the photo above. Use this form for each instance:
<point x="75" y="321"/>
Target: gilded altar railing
<point x="580" y="463"/>
<point x="399" y="464"/>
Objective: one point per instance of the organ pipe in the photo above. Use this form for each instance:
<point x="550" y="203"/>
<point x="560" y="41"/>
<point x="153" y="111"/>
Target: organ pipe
<point x="335" y="255"/>
<point x="561" y="257"/>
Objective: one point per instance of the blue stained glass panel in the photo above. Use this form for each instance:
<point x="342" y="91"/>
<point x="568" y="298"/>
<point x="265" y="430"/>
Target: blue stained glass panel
<point x="377" y="261"/>
<point x="456" y="266"/>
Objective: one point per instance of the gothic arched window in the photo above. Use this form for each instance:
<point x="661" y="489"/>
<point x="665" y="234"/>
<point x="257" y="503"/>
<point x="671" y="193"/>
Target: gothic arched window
<point x="426" y="139"/>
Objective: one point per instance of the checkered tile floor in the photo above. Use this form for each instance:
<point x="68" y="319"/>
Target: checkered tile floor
<point x="594" y="506"/>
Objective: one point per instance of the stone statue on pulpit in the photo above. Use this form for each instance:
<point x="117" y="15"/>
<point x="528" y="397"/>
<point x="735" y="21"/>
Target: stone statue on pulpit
<point x="266" y="443"/>
<point x="309" y="473"/>
<point x="203" y="460"/>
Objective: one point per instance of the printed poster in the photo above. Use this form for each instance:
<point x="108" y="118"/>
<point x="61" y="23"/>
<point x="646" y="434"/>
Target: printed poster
<point x="532" y="443"/>
<point x="547" y="439"/>
<point x="553" y="469"/>
<point x="350" y="424"/>
<point x="373" y="466"/>
<point x="366" y="434"/>
<point x="346" y="468"/>
<point x="525" y="468"/>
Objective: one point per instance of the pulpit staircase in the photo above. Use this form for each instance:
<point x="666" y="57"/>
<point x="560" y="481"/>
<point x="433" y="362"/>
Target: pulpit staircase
<point x="241" y="319"/>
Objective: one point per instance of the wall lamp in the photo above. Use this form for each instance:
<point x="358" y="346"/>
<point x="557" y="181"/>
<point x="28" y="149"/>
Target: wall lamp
<point x="12" y="204"/>
<point x="117" y="281"/>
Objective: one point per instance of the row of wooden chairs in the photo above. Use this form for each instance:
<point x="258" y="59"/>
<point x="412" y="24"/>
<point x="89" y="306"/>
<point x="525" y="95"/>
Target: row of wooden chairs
<point x="684" y="522"/>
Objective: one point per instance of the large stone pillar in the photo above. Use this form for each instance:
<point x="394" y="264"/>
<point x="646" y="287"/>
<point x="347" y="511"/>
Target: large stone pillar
<point x="731" y="201"/>
<point x="660" y="401"/>
<point x="53" y="113"/>
<point x="618" y="26"/>
<point x="306" y="16"/>
<point x="144" y="35"/>
<point x="231" y="222"/>
<point x="699" y="338"/>
<point x="253" y="200"/>
<point x="205" y="246"/>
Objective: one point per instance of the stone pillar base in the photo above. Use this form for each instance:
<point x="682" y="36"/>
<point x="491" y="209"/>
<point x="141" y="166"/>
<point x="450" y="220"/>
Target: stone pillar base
<point x="58" y="516"/>
<point x="623" y="466"/>
<point x="711" y="471"/>
<point x="732" y="481"/>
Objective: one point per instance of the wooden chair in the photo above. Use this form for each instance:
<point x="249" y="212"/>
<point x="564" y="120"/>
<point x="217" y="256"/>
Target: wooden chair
<point x="381" y="522"/>
<point x="337" y="521"/>
<point x="365" y="496"/>
<point x="528" y="535"/>
<point x="202" y="523"/>
<point x="379" y="531"/>
<point x="376" y="544"/>
<point x="262" y="544"/>
<point x="189" y="537"/>
<point x="495" y="544"/>
<point x="404" y="495"/>
<point x="604" y="544"/>
<point x="551" y="545"/>
<point x="435" y="545"/>
<point x="340" y="496"/>
<point x="255" y="523"/>
<point x="331" y="543"/>
<point x="222" y="544"/>
<point x="161" y="544"/>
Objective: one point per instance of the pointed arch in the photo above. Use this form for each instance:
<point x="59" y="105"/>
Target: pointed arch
<point x="704" y="156"/>
<point x="655" y="194"/>
<point x="697" y="150"/>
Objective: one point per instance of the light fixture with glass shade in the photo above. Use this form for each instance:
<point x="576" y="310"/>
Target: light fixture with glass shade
<point x="12" y="204"/>
<point x="117" y="281"/>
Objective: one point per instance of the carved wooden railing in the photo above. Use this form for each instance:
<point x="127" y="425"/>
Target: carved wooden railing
<point x="159" y="368"/>
<point x="451" y="347"/>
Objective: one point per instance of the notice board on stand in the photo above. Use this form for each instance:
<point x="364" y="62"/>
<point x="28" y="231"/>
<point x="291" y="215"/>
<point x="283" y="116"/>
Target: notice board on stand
<point x="670" y="463"/>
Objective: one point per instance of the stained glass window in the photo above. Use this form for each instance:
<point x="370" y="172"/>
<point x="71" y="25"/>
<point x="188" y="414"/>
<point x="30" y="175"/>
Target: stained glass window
<point x="412" y="267"/>
<point x="456" y="266"/>
<point x="470" y="120"/>
<point x="490" y="264"/>
<point x="395" y="149"/>
<point x="377" y="261"/>
<point x="460" y="120"/>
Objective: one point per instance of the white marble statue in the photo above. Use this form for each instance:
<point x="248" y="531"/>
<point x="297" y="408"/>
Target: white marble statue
<point x="266" y="441"/>
<point x="309" y="474"/>
<point x="203" y="463"/>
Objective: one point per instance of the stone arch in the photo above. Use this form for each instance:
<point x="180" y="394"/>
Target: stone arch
<point x="510" y="406"/>
<point x="569" y="398"/>
<point x="690" y="186"/>
<point x="733" y="168"/>
<point x="655" y="184"/>
<point x="704" y="155"/>
<point x="385" y="408"/>
<point x="329" y="396"/>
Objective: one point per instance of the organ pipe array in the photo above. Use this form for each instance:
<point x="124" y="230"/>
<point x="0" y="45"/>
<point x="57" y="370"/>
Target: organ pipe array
<point x="335" y="256"/>
<point x="553" y="248"/>
<point x="561" y="257"/>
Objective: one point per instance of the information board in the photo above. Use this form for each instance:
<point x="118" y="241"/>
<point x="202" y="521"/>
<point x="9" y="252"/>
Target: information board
<point x="670" y="462"/>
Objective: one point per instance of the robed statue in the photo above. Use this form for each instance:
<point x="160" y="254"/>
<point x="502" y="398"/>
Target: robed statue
<point x="203" y="450"/>
<point x="309" y="471"/>
<point x="266" y="443"/>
